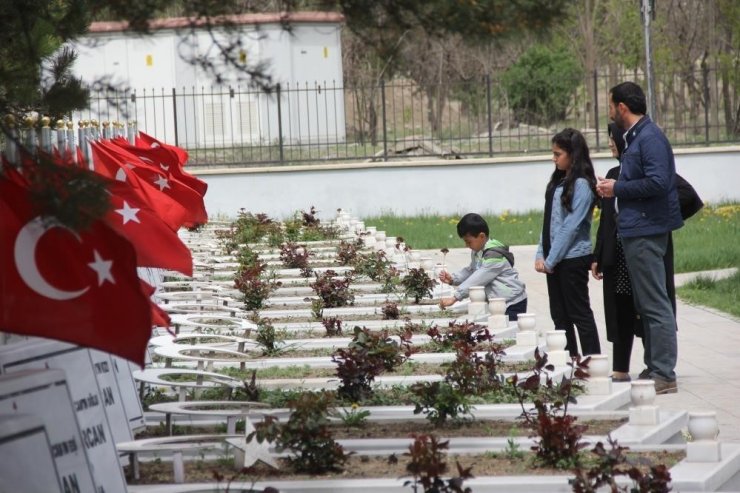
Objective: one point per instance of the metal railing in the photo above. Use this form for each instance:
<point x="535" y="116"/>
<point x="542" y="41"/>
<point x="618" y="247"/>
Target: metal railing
<point x="320" y="122"/>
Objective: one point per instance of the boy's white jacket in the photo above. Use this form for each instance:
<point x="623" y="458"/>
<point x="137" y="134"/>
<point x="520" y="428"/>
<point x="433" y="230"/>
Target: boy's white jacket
<point x="492" y="270"/>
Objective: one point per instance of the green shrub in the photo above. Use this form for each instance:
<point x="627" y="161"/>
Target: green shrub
<point x="540" y="84"/>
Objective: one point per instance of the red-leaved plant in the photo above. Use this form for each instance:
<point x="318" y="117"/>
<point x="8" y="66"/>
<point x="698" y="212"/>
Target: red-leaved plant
<point x="390" y="311"/>
<point x="333" y="326"/>
<point x="347" y="251"/>
<point x="610" y="464"/>
<point x="333" y="290"/>
<point x="417" y="284"/>
<point x="255" y="285"/>
<point x="295" y="256"/>
<point x="427" y="466"/>
<point x="559" y="437"/>
<point x="306" y="434"/>
<point x="368" y="355"/>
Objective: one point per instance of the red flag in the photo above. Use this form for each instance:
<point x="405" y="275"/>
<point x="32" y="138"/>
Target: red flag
<point x="171" y="211"/>
<point x="80" y="287"/>
<point x="170" y="158"/>
<point x="160" y="318"/>
<point x="147" y="141"/>
<point x="191" y="200"/>
<point x="155" y="243"/>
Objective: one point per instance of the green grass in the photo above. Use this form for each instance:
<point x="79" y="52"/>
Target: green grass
<point x="708" y="240"/>
<point x="723" y="295"/>
<point x="434" y="231"/>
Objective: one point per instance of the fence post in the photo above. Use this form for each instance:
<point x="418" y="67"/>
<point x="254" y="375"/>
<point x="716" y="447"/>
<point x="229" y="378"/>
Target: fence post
<point x="705" y="83"/>
<point x="385" y="130"/>
<point x="280" y="123"/>
<point x="596" y="108"/>
<point x="174" y="114"/>
<point x="490" y="115"/>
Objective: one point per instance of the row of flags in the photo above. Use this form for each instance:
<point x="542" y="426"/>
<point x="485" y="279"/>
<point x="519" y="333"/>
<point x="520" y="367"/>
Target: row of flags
<point x="82" y="286"/>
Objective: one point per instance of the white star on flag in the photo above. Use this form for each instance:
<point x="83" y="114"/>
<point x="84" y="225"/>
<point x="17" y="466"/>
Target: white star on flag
<point x="128" y="213"/>
<point x="162" y="183"/>
<point x="102" y="269"/>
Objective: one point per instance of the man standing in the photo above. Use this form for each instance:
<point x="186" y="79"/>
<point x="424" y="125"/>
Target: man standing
<point x="648" y="210"/>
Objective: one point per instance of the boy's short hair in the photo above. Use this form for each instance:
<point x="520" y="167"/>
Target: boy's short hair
<point x="472" y="224"/>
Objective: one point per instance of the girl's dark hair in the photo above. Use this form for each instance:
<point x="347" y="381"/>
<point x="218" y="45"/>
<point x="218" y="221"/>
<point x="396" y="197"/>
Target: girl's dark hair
<point x="573" y="142"/>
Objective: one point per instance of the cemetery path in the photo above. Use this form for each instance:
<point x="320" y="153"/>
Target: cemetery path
<point x="708" y="366"/>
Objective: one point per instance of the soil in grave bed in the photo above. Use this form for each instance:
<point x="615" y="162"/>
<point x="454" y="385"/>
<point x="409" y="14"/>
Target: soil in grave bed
<point x="407" y="369"/>
<point x="376" y="303"/>
<point x="488" y="464"/>
<point x="395" y="395"/>
<point x="405" y="429"/>
<point x="347" y="318"/>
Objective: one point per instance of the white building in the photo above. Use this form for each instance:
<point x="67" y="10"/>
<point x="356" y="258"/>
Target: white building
<point x="179" y="102"/>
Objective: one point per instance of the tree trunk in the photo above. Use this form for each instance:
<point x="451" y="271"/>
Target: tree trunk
<point x="731" y="124"/>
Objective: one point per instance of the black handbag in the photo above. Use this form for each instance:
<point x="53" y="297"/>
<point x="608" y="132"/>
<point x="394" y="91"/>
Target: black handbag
<point x="688" y="200"/>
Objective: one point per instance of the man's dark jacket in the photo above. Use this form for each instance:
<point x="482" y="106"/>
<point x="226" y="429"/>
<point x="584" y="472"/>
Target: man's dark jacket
<point x="646" y="188"/>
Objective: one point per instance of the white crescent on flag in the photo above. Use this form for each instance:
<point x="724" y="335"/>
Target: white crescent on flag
<point x="25" y="259"/>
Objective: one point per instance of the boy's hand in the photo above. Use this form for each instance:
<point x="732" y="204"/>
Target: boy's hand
<point x="445" y="277"/>
<point x="445" y="302"/>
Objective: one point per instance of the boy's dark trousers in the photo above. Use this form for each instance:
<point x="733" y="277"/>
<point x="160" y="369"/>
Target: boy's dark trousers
<point x="570" y="305"/>
<point x="512" y="311"/>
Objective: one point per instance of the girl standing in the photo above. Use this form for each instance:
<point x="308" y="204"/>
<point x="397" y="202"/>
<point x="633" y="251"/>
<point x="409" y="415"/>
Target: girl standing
<point x="564" y="251"/>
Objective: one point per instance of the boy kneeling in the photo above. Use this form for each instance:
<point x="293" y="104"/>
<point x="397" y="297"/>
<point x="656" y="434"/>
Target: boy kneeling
<point x="491" y="266"/>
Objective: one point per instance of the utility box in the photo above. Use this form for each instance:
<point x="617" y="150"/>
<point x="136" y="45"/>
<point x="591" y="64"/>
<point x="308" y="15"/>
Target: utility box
<point x="177" y="101"/>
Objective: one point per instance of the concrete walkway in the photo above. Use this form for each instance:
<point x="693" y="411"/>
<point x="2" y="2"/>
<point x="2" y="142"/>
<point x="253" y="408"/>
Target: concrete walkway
<point x="708" y="343"/>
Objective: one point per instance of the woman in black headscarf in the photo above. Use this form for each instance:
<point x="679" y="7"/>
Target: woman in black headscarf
<point x="622" y="321"/>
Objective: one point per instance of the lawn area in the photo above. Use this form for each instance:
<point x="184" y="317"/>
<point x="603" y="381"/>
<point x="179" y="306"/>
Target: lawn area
<point x="723" y="295"/>
<point x="424" y="232"/>
<point x="709" y="240"/>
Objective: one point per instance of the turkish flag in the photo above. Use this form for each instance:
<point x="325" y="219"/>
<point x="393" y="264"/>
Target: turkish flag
<point x="146" y="141"/>
<point x="170" y="158"/>
<point x="160" y="318"/>
<point x="155" y="243"/>
<point x="80" y="287"/>
<point x="172" y="212"/>
<point x="150" y="173"/>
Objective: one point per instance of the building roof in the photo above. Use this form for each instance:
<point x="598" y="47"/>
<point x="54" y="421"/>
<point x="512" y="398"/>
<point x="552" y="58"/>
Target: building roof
<point x="242" y="19"/>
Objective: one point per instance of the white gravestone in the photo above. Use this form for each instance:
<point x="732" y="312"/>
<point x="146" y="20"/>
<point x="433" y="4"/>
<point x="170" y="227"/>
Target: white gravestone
<point x="45" y="395"/>
<point x="111" y="396"/>
<point x="87" y="400"/>
<point x="129" y="393"/>
<point x="23" y="441"/>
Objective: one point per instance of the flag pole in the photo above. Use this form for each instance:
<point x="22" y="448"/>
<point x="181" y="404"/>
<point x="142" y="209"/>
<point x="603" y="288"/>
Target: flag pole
<point x="132" y="132"/>
<point x="71" y="141"/>
<point x="11" y="142"/>
<point x="45" y="135"/>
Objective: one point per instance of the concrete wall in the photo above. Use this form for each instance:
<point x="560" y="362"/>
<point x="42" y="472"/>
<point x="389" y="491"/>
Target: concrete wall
<point x="441" y="186"/>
